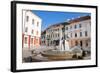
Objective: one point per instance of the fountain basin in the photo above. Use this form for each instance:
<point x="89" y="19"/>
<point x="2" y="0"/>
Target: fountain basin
<point x="57" y="55"/>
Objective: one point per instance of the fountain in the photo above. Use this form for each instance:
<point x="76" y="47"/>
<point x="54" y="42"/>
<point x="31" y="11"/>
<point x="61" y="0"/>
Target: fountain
<point x="63" y="52"/>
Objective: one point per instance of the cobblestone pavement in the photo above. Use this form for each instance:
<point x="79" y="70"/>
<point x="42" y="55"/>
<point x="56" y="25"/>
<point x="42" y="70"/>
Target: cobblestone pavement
<point x="37" y="57"/>
<point x="27" y="53"/>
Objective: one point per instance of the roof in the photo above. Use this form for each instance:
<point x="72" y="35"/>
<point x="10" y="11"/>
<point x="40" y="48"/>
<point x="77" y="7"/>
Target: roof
<point x="79" y="19"/>
<point x="58" y="24"/>
<point x="82" y="18"/>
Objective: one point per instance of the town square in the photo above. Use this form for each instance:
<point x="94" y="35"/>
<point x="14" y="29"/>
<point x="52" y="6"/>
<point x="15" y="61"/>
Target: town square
<point x="65" y="36"/>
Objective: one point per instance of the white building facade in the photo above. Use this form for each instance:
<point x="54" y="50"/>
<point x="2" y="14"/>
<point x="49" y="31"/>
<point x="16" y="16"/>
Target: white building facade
<point x="31" y="31"/>
<point x="79" y="31"/>
<point x="53" y="35"/>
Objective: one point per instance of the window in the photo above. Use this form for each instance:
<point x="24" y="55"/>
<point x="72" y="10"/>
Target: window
<point x="36" y="41"/>
<point x="58" y="35"/>
<point x="31" y="40"/>
<point x="37" y="33"/>
<point x="32" y="21"/>
<point x="75" y="26"/>
<point x="76" y="43"/>
<point x="37" y="24"/>
<point x="66" y="28"/>
<point x="58" y="29"/>
<point x="26" y="29"/>
<point x="27" y="18"/>
<point x="32" y="31"/>
<point x="44" y="42"/>
<point x="25" y="40"/>
<point x="71" y="34"/>
<point x="80" y="25"/>
<point x="80" y="34"/>
<point x="86" y="33"/>
<point x="81" y="43"/>
<point x="86" y="44"/>
<point x="70" y="27"/>
<point x="75" y="34"/>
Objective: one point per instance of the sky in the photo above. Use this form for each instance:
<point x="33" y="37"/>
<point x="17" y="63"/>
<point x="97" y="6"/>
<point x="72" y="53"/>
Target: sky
<point x="52" y="17"/>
